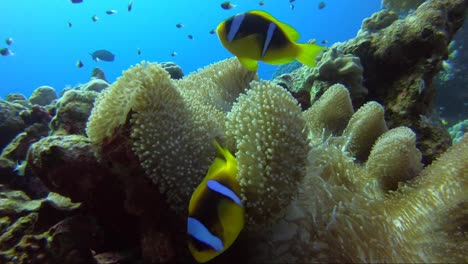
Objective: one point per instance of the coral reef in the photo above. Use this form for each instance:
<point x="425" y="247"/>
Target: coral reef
<point x="43" y="96"/>
<point x="458" y="130"/>
<point x="95" y="84"/>
<point x="98" y="73"/>
<point x="379" y="20"/>
<point x="68" y="165"/>
<point x="173" y="69"/>
<point x="11" y="122"/>
<point x="16" y="150"/>
<point x="398" y="59"/>
<point x="452" y="95"/>
<point x="402" y="6"/>
<point x="336" y="67"/>
<point x="333" y="67"/>
<point x="286" y="69"/>
<point x="400" y="63"/>
<point x="18" y="99"/>
<point x="29" y="230"/>
<point x="73" y="109"/>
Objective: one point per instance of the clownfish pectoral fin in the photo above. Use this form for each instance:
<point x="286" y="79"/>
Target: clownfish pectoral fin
<point x="307" y="53"/>
<point x="292" y="34"/>
<point x="251" y="65"/>
<point x="231" y="215"/>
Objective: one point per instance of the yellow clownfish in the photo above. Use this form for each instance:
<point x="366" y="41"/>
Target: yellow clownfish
<point x="258" y="36"/>
<point x="216" y="213"/>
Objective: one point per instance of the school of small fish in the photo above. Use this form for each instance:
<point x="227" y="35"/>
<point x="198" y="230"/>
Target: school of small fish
<point x="7" y="51"/>
<point x="105" y="55"/>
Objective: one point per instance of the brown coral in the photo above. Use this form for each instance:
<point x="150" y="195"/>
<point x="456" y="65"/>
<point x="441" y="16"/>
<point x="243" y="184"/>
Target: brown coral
<point x="401" y="61"/>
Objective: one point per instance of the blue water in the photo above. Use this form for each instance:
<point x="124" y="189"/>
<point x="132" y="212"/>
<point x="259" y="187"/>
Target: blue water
<point x="46" y="49"/>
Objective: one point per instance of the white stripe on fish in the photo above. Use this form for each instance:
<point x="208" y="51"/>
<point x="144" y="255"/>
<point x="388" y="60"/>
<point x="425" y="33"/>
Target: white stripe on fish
<point x="235" y="25"/>
<point x="223" y="190"/>
<point x="199" y="231"/>
<point x="270" y="32"/>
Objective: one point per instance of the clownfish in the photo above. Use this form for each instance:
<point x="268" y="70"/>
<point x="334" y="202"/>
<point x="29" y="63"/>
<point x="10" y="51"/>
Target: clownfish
<point x="216" y="213"/>
<point x="258" y="36"/>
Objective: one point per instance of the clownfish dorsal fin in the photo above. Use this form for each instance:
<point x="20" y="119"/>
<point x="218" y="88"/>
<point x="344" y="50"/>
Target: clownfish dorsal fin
<point x="230" y="160"/>
<point x="292" y="34"/>
<point x="217" y="165"/>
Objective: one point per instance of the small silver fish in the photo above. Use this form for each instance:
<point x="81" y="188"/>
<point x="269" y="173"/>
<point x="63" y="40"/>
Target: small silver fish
<point x="190" y="36"/>
<point x="79" y="64"/>
<point x="103" y="55"/>
<point x="227" y="5"/>
<point x="6" y="52"/>
<point x="322" y="5"/>
<point x="179" y="25"/>
<point x="111" y="12"/>
<point x="95" y="18"/>
<point x="261" y="3"/>
<point x="70" y="24"/>
<point x="138" y="51"/>
<point x="291" y="6"/>
<point x="8" y="41"/>
<point x="129" y="7"/>
<point x="173" y="54"/>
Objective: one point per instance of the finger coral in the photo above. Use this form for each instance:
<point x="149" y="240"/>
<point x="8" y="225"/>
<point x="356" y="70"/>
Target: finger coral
<point x="331" y="112"/>
<point x="365" y="126"/>
<point x="394" y="158"/>
<point x="407" y="225"/>
<point x="268" y="129"/>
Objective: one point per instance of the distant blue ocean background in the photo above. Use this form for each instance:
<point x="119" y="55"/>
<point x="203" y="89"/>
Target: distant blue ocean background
<point x="47" y="50"/>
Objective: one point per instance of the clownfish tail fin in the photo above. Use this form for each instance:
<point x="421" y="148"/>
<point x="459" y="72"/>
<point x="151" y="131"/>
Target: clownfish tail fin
<point x="307" y="53"/>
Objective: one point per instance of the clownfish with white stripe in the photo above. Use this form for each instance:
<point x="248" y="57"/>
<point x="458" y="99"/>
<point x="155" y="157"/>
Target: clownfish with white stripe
<point x="216" y="212"/>
<point x="258" y="36"/>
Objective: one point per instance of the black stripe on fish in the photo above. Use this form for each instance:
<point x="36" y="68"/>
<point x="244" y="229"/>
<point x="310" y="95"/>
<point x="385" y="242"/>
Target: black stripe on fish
<point x="255" y="24"/>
